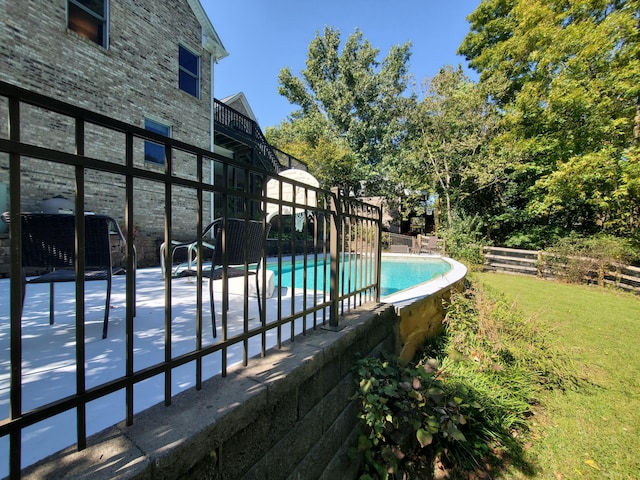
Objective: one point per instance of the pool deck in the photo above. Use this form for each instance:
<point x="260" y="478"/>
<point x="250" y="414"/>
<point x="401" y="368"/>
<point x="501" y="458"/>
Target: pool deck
<point x="49" y="350"/>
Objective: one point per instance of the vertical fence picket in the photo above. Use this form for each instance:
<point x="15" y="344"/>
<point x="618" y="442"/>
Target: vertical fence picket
<point x="334" y="217"/>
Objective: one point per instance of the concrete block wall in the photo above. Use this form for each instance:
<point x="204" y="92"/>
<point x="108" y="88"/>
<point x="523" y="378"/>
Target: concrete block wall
<point x="423" y="319"/>
<point x="289" y="415"/>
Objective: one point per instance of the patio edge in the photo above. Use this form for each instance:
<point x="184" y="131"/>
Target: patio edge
<point x="288" y="414"/>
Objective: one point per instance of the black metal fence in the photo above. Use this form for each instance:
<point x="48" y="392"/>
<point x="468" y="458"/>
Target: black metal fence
<point x="338" y="237"/>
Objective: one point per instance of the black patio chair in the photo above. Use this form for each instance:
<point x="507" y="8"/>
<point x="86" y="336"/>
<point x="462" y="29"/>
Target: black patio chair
<point x="237" y="251"/>
<point x="241" y="242"/>
<point x="236" y="230"/>
<point x="48" y="245"/>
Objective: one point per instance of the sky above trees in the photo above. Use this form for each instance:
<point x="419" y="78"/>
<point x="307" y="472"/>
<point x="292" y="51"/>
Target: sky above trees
<point x="263" y="37"/>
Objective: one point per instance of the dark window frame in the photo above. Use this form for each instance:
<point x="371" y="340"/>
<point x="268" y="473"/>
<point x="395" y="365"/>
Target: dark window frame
<point x="154" y="152"/>
<point x="88" y="22"/>
<point x="189" y="76"/>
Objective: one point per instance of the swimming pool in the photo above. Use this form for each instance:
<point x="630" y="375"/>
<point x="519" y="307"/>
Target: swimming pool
<point x="400" y="273"/>
<point x="397" y="274"/>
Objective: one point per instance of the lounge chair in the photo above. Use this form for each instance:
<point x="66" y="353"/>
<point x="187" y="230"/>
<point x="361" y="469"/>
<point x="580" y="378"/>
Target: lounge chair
<point x="429" y="244"/>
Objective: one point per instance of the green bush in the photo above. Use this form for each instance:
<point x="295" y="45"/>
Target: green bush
<point x="410" y="415"/>
<point x="386" y="240"/>
<point x="461" y="403"/>
<point x="535" y="237"/>
<point x="575" y="258"/>
<point x="464" y="239"/>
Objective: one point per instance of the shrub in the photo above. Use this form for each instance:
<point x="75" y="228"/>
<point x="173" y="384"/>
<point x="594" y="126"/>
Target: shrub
<point x="463" y="400"/>
<point x="410" y="415"/>
<point x="386" y="240"/>
<point x="534" y="237"/>
<point x="575" y="258"/>
<point x="464" y="239"/>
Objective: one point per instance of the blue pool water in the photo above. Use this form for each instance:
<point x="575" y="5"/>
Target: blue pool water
<point x="402" y="273"/>
<point x="398" y="273"/>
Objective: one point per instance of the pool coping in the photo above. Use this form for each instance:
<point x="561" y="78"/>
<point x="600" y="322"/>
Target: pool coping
<point x="408" y="296"/>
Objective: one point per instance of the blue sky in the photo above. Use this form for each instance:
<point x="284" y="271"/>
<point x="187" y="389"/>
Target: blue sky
<point x="264" y="36"/>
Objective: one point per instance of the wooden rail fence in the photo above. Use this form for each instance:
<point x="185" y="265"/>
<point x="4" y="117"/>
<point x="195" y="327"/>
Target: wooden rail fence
<point x="546" y="265"/>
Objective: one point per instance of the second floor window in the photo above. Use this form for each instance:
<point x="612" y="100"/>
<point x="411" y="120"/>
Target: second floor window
<point x="155" y="152"/>
<point x="88" y="18"/>
<point x="189" y="72"/>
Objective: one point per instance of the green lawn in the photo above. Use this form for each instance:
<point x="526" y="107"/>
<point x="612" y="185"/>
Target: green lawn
<point x="592" y="431"/>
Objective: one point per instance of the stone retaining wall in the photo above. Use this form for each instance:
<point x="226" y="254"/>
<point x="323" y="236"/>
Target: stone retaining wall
<point x="288" y="415"/>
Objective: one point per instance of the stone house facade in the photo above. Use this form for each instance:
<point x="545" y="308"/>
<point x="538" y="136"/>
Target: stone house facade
<point x="148" y="63"/>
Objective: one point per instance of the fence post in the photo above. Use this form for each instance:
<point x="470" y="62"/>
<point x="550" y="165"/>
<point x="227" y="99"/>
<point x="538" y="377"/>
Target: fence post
<point x="334" y="254"/>
<point x="539" y="265"/>
<point x="379" y="255"/>
<point x="15" y="256"/>
<point x="601" y="273"/>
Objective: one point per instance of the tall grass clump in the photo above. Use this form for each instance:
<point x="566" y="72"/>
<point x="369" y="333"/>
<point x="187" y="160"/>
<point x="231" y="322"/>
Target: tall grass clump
<point x="463" y="403"/>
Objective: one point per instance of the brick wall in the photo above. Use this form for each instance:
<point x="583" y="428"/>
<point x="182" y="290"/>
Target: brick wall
<point x="135" y="77"/>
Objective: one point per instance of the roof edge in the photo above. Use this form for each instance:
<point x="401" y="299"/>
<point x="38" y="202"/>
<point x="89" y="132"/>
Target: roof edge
<point x="242" y="98"/>
<point x="210" y="38"/>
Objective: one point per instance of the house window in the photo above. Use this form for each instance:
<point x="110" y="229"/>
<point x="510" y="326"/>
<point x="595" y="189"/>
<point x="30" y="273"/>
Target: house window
<point x="88" y="18"/>
<point x="155" y="152"/>
<point x="189" y="72"/>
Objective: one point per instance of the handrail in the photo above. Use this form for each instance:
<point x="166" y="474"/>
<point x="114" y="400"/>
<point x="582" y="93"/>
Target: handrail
<point x="247" y="128"/>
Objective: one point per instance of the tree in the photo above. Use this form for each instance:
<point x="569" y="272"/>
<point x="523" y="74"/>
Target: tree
<point x="571" y="106"/>
<point x="451" y="128"/>
<point x="357" y="98"/>
<point x="329" y="158"/>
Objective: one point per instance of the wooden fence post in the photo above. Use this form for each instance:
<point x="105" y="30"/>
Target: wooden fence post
<point x="601" y="273"/>
<point x="539" y="264"/>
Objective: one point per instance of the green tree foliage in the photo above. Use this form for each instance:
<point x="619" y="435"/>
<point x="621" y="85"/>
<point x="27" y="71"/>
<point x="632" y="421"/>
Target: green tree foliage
<point x="569" y="73"/>
<point x="450" y="130"/>
<point x="311" y="138"/>
<point x="545" y="143"/>
<point x="354" y="104"/>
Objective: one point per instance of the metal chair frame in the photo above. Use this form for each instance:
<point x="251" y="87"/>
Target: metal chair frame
<point x="236" y="242"/>
<point x="49" y="244"/>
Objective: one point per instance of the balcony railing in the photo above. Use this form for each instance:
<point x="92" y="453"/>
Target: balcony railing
<point x="101" y="156"/>
<point x="242" y="126"/>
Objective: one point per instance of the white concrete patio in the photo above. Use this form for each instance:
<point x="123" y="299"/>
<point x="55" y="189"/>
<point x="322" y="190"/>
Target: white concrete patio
<point x="48" y="365"/>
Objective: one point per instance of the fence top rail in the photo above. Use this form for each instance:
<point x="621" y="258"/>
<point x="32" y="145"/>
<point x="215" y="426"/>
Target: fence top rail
<point x="632" y="269"/>
<point x="511" y="250"/>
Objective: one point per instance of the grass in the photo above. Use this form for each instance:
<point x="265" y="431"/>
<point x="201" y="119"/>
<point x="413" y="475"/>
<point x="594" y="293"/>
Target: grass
<point x="531" y="379"/>
<point x="591" y="431"/>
